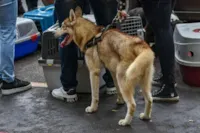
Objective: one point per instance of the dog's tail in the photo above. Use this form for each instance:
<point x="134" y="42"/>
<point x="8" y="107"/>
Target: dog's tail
<point x="143" y="61"/>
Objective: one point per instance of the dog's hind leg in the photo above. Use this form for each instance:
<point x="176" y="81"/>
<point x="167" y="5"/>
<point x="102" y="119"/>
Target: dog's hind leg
<point x="142" y="69"/>
<point x="127" y="91"/>
<point x="146" y="91"/>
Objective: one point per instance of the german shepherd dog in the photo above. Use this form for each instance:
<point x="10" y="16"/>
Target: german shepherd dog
<point x="128" y="58"/>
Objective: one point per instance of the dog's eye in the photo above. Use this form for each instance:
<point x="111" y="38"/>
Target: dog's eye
<point x="64" y="27"/>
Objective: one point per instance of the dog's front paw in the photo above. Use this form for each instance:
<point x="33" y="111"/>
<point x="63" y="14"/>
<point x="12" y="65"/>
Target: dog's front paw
<point x="90" y="109"/>
<point x="144" y="117"/>
<point x="124" y="122"/>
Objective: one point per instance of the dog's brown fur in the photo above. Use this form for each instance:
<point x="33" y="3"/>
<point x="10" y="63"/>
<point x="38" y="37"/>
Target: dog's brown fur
<point x="129" y="59"/>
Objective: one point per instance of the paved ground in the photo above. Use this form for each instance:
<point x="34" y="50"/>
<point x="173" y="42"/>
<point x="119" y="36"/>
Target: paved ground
<point x="36" y="111"/>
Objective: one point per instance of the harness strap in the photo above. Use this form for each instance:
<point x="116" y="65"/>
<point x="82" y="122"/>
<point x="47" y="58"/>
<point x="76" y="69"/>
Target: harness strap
<point x="97" y="38"/>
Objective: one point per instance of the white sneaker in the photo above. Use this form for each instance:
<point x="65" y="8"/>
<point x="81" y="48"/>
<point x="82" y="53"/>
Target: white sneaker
<point x="111" y="91"/>
<point x="68" y="96"/>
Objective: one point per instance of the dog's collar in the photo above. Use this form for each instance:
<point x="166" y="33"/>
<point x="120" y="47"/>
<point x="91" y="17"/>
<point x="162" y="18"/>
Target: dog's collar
<point x="97" y="38"/>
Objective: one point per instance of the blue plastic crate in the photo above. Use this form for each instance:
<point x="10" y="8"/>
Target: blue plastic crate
<point x="43" y="17"/>
<point x="26" y="47"/>
<point x="27" y="37"/>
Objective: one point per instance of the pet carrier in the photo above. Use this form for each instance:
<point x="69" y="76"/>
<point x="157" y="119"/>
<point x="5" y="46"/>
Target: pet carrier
<point x="187" y="47"/>
<point x="27" y="37"/>
<point x="43" y="17"/>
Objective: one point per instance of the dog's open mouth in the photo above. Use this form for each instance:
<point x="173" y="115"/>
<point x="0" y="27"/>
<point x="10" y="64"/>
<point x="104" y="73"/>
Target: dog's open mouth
<point x="66" y="40"/>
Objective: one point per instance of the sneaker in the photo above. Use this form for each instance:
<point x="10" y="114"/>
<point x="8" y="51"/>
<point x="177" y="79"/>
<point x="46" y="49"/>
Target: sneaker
<point x="158" y="81"/>
<point x="15" y="87"/>
<point x="163" y="94"/>
<point x="110" y="88"/>
<point x="68" y="96"/>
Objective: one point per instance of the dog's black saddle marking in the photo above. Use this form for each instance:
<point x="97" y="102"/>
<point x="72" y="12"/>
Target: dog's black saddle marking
<point x="93" y="42"/>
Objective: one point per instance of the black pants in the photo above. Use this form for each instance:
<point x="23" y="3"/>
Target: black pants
<point x="68" y="54"/>
<point x="86" y="6"/>
<point x="104" y="12"/>
<point x="158" y="14"/>
<point x="32" y="4"/>
<point x="20" y="8"/>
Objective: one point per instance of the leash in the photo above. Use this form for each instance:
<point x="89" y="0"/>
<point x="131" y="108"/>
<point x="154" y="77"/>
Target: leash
<point x="93" y="42"/>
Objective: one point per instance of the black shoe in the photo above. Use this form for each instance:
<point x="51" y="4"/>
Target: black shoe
<point x="166" y="94"/>
<point x="158" y="81"/>
<point x="15" y="87"/>
<point x="110" y="86"/>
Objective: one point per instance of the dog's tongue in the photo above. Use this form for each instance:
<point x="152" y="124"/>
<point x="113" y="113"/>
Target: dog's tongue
<point x="64" y="41"/>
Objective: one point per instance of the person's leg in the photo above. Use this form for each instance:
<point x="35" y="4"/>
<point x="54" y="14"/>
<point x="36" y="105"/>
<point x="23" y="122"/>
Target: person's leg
<point x="7" y="39"/>
<point x="1" y="83"/>
<point x="68" y="56"/>
<point x="104" y="12"/>
<point x="34" y="4"/>
<point x="69" y="66"/>
<point x="31" y="4"/>
<point x="7" y="48"/>
<point x="86" y="7"/>
<point x="158" y="15"/>
<point x="20" y="8"/>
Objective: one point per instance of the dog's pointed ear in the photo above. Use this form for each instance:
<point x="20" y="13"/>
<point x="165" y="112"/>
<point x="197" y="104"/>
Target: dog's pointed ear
<point x="72" y="16"/>
<point x="78" y="11"/>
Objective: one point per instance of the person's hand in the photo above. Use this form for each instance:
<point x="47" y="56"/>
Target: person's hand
<point x="121" y="15"/>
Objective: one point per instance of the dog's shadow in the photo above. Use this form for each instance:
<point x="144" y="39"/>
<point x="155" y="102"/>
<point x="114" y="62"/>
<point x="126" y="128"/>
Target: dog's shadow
<point x="118" y="107"/>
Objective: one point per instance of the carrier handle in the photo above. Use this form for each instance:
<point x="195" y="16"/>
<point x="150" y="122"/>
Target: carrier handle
<point x="49" y="8"/>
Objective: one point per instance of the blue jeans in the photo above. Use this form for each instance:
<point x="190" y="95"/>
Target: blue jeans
<point x="8" y="16"/>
